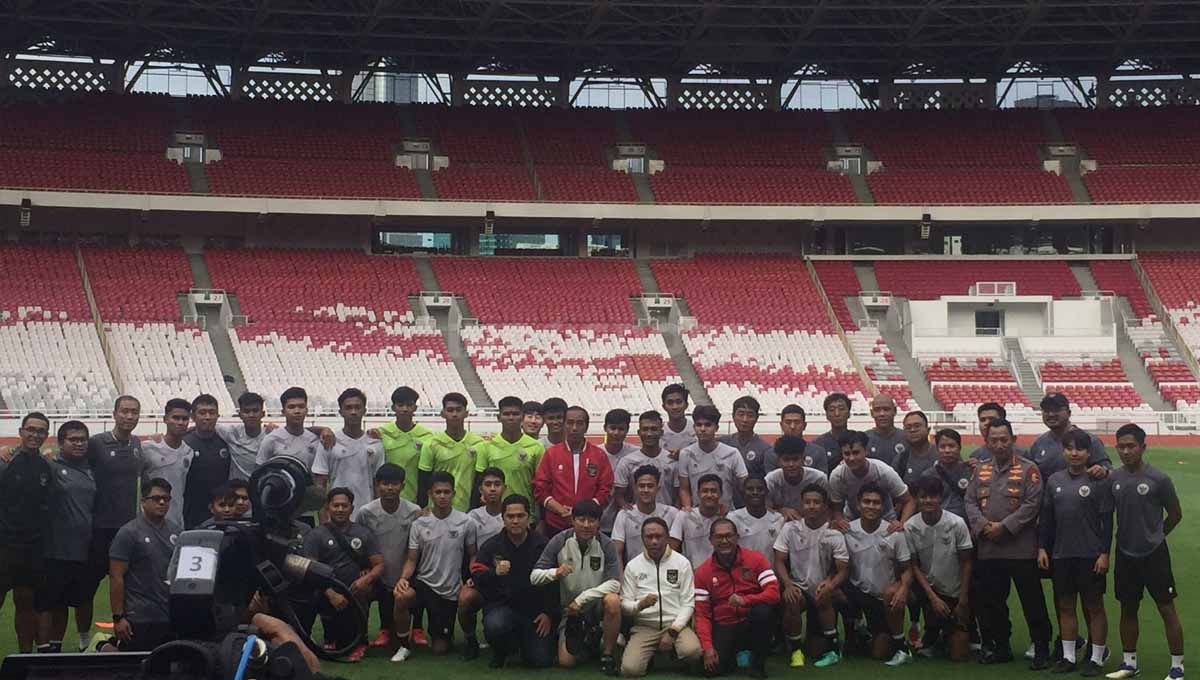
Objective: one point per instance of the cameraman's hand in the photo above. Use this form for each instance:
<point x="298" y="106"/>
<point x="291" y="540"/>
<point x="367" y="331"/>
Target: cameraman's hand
<point x="123" y="630"/>
<point x="336" y="600"/>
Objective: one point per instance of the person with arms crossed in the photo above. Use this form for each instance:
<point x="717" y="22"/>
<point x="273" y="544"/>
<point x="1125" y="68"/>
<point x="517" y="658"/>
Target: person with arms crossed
<point x="658" y="592"/>
<point x="389" y="518"/>
<point x="678" y="432"/>
<point x="689" y="532"/>
<point x="1075" y="530"/>
<point x="627" y="528"/>
<point x="24" y="501"/>
<point x="244" y="440"/>
<point x="489" y="521"/>
<point x="137" y="583"/>
<point x="616" y="429"/>
<point x="837" y="413"/>
<point x="736" y="595"/>
<point x="572" y="471"/>
<point x="879" y="580"/>
<point x="355" y="457"/>
<point x="758" y="526"/>
<point x="786" y="485"/>
<point x="856" y="471"/>
<point x="756" y="452"/>
<point x="169" y="457"/>
<point x="584" y="564"/>
<point x="709" y="456"/>
<point x="403" y="438"/>
<point x="942" y="555"/>
<point x="356" y="558"/>
<point x="1003" y="502"/>
<point x="517" y="615"/>
<point x="811" y="563"/>
<point x="453" y="452"/>
<point x="650" y="426"/>
<point x="952" y="470"/>
<point x="513" y="452"/>
<point x="68" y="535"/>
<point x="1148" y="511"/>
<point x="432" y="575"/>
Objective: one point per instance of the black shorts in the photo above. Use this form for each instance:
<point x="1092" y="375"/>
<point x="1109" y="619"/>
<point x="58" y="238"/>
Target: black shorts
<point x="147" y="636"/>
<point x="1152" y="573"/>
<point x="918" y="597"/>
<point x="870" y="606"/>
<point x="440" y="612"/>
<point x="1074" y="576"/>
<point x="21" y="566"/>
<point x="66" y="584"/>
<point x="98" y="556"/>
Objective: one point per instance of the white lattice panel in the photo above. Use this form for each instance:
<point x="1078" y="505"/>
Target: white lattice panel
<point x="498" y="94"/>
<point x="702" y="97"/>
<point x="1148" y="93"/>
<point x="58" y="77"/>
<point x="940" y="96"/>
<point x="298" y="89"/>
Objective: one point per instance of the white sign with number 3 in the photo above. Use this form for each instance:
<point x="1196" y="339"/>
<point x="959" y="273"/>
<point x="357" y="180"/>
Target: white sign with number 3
<point x="196" y="563"/>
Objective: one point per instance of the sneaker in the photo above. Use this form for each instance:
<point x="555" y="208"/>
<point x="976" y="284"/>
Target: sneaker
<point x="1091" y="669"/>
<point x="1064" y="666"/>
<point x="797" y="658"/>
<point x="470" y="649"/>
<point x="496" y="662"/>
<point x="1030" y="653"/>
<point x="1124" y="672"/>
<point x="356" y="654"/>
<point x="830" y="658"/>
<point x="995" y="655"/>
<point x="1040" y="662"/>
<point x="419" y="638"/>
<point x="926" y="652"/>
<point x="1176" y="673"/>
<point x="900" y="658"/>
<point x="384" y="639"/>
<point x="608" y="664"/>
<point x="914" y="637"/>
<point x="401" y="655"/>
<point x="743" y="659"/>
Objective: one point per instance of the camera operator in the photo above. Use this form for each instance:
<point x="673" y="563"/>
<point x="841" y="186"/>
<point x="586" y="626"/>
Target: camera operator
<point x="137" y="583"/>
<point x="353" y="553"/>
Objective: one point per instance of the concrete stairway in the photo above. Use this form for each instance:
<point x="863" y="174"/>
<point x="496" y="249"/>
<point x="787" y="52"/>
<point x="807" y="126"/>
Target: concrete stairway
<point x="197" y="178"/>
<point x="683" y="364"/>
<point x="1131" y="361"/>
<point x="1083" y="274"/>
<point x="865" y="272"/>
<point x="646" y="276"/>
<point x="913" y="375"/>
<point x="425" y="271"/>
<point x="218" y="331"/>
<point x="458" y="354"/>
<point x="1026" y="376"/>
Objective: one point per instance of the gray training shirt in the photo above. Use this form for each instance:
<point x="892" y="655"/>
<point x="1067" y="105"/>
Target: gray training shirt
<point x="442" y="543"/>
<point x="243" y="449"/>
<point x="391" y="530"/>
<point x="1076" y="516"/>
<point x="955" y="481"/>
<point x="874" y="557"/>
<point x="783" y="494"/>
<point x="825" y="453"/>
<point x="915" y="466"/>
<point x="1141" y="499"/>
<point x="1047" y="453"/>
<point x="758" y="454"/>
<point x="147" y="550"/>
<point x="886" y="447"/>
<point x="160" y="460"/>
<point x="72" y="497"/>
<point x="116" y="466"/>
<point x="844" y="486"/>
<point x="935" y="548"/>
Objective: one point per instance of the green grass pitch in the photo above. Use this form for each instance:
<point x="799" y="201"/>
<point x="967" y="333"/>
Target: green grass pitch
<point x="1182" y="464"/>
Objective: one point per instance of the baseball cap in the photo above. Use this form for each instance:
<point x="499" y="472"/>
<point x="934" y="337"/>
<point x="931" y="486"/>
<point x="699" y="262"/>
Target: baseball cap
<point x="1055" y="401"/>
<point x="588" y="508"/>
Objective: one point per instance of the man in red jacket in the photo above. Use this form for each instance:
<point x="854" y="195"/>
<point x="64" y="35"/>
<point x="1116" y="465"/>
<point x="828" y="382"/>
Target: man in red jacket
<point x="571" y="471"/>
<point x="736" y="593"/>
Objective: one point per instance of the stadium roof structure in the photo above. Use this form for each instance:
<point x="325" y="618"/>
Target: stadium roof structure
<point x="776" y="39"/>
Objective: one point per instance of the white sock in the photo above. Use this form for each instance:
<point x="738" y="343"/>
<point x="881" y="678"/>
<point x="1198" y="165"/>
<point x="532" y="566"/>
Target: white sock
<point x="1098" y="652"/>
<point x="1069" y="650"/>
<point x="1129" y="659"/>
<point x="1177" y="661"/>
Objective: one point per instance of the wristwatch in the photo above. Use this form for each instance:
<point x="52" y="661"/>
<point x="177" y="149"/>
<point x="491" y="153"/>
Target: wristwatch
<point x="117" y="618"/>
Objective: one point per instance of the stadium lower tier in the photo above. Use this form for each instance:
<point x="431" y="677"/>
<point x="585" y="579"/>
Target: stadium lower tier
<point x="51" y="366"/>
<point x="160" y="361"/>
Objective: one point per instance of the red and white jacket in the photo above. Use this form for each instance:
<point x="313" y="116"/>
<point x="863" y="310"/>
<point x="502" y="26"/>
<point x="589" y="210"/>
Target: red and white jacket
<point x="555" y="478"/>
<point x="750" y="576"/>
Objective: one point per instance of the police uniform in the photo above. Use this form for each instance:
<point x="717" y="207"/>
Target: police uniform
<point x="1009" y="493"/>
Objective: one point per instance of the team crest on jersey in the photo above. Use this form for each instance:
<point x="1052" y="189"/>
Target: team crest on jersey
<point x="720" y="467"/>
<point x="1116" y="487"/>
<point x="173" y="538"/>
<point x="1058" y="489"/>
<point x="1143" y="489"/>
<point x="673" y="576"/>
<point x="471" y="451"/>
<point x="224" y="453"/>
<point x="808" y="460"/>
<point x="592" y="470"/>
<point x="356" y="543"/>
<point x="751" y="455"/>
<point x="522" y="456"/>
<point x="44" y="478"/>
<point x="330" y="543"/>
<point x="454" y="533"/>
<point x="899" y="448"/>
<point x="64" y="472"/>
<point x="1085" y="491"/>
<point x="964" y="483"/>
<point x="772" y="531"/>
<point x="746" y="574"/>
<point x="594" y="561"/>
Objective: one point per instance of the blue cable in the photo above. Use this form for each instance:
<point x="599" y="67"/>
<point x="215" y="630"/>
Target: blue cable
<point x="246" y="648"/>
